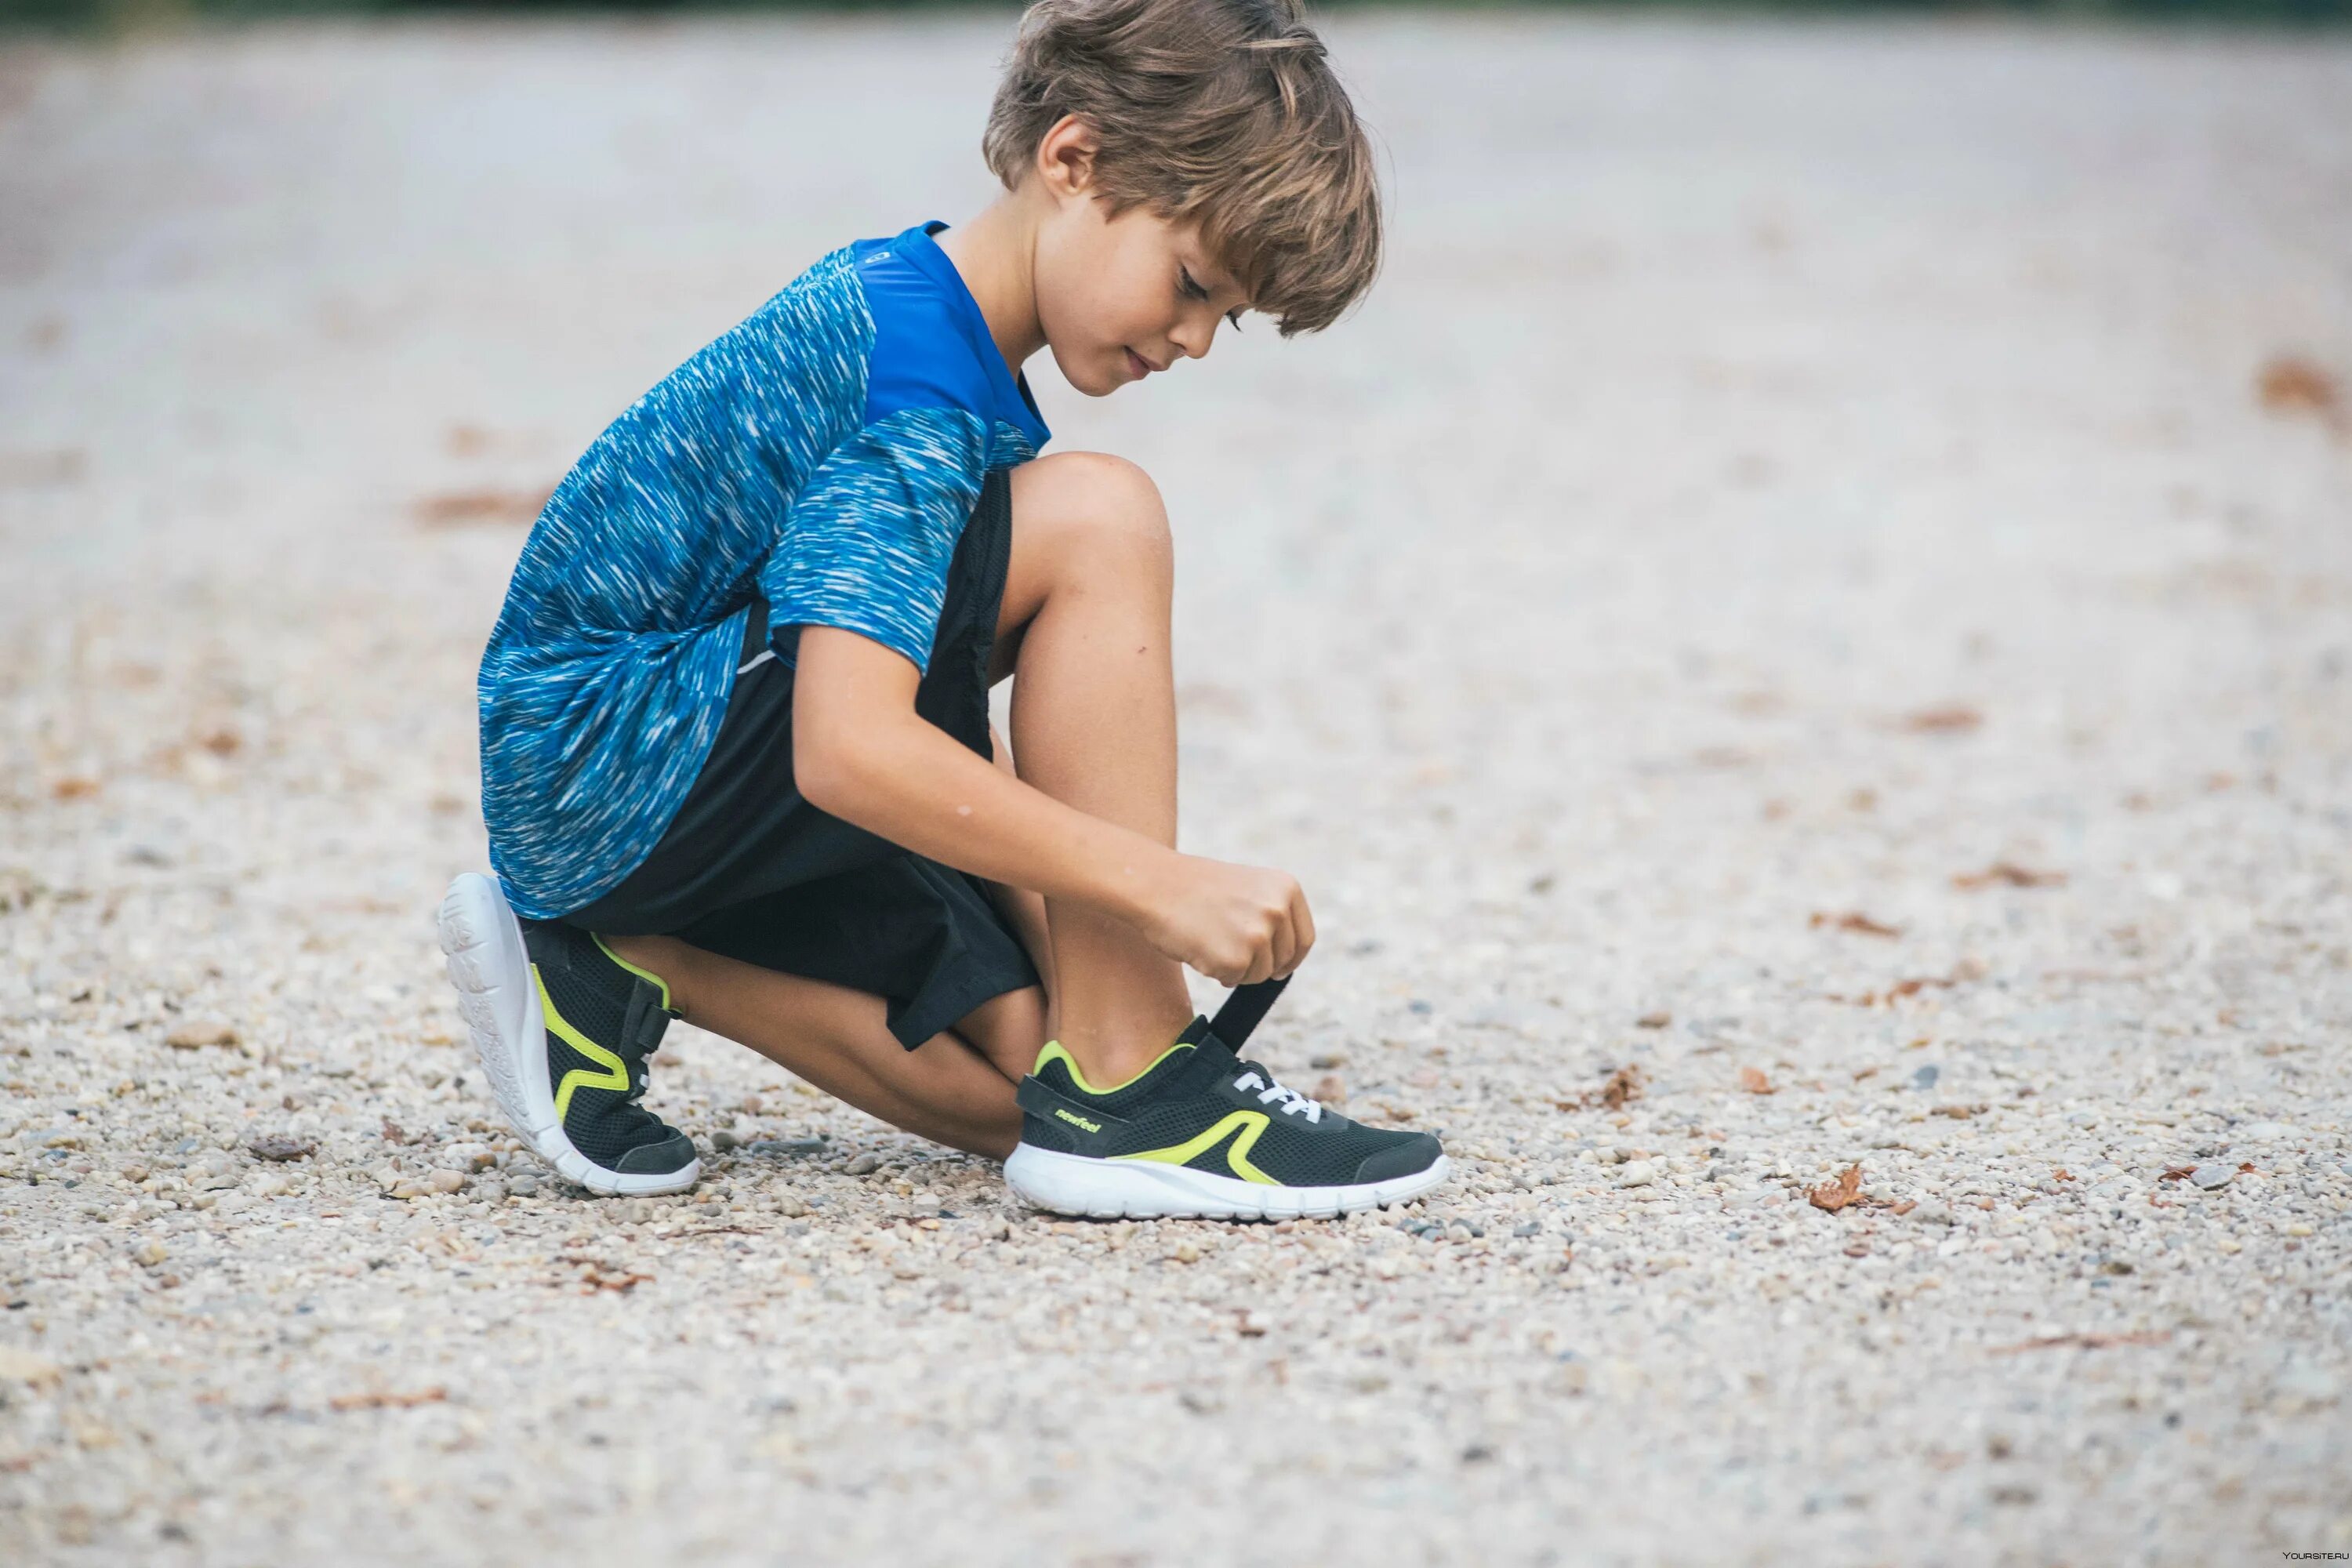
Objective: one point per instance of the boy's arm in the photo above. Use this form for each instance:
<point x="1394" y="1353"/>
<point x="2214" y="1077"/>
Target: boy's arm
<point x="861" y="752"/>
<point x="1022" y="907"/>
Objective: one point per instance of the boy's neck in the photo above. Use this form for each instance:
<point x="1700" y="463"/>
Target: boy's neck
<point x="995" y="255"/>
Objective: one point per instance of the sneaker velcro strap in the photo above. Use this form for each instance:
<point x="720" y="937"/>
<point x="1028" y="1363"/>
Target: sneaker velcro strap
<point x="642" y="1028"/>
<point x="1244" y="1010"/>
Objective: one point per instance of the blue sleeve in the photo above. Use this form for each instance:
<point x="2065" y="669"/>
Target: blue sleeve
<point x="867" y="541"/>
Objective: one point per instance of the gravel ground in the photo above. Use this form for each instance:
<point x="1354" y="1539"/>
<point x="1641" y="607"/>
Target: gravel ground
<point x="1787" y="642"/>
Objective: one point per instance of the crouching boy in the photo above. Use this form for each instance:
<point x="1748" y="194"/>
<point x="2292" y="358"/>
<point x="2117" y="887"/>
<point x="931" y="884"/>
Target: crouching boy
<point x="737" y="763"/>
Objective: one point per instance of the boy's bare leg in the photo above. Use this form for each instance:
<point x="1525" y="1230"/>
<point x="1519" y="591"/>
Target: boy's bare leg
<point x="1084" y="626"/>
<point x="837" y="1039"/>
<point x="1024" y="911"/>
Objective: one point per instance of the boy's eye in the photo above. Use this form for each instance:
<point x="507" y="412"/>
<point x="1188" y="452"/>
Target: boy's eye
<point x="1191" y="289"/>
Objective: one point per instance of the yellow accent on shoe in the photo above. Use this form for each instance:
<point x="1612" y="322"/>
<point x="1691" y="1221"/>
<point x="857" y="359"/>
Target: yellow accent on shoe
<point x="640" y="973"/>
<point x="1252" y="1125"/>
<point x="1055" y="1053"/>
<point x="616" y="1073"/>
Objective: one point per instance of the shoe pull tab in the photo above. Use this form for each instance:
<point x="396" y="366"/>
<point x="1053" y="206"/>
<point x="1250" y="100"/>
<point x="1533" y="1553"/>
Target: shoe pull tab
<point x="1243" y="1009"/>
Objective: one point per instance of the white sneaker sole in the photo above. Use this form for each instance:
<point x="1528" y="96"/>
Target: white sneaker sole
<point x="1146" y="1189"/>
<point x="488" y="965"/>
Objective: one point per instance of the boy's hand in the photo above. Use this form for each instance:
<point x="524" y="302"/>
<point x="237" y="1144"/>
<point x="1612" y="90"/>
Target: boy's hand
<point x="860" y="753"/>
<point x="1236" y="924"/>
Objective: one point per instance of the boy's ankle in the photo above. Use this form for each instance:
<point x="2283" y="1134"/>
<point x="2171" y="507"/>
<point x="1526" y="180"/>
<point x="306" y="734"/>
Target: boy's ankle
<point x="1109" y="1064"/>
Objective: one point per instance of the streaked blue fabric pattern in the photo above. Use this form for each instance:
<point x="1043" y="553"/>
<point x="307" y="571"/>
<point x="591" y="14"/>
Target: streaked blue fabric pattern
<point x="871" y="534"/>
<point x="825" y="454"/>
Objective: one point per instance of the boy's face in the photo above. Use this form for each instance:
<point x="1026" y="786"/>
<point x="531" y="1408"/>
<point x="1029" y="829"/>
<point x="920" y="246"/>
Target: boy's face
<point x="1122" y="298"/>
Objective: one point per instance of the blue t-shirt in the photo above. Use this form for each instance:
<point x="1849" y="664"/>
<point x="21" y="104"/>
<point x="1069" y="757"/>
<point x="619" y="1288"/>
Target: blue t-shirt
<point x="825" y="456"/>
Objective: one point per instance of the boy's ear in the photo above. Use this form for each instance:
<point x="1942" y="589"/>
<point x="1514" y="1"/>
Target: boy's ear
<point x="1066" y="157"/>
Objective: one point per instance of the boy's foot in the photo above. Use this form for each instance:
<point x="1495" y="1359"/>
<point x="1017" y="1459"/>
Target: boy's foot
<point x="563" y="1030"/>
<point x="1203" y="1135"/>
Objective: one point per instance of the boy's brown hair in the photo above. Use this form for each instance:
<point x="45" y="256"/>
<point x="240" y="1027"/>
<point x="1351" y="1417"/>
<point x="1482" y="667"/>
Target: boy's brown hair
<point x="1223" y="112"/>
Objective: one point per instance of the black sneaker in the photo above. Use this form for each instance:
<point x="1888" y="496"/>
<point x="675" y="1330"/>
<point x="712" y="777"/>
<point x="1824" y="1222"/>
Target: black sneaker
<point x="564" y="1028"/>
<point x="1202" y="1133"/>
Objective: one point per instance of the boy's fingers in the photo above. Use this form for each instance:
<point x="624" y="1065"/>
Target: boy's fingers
<point x="1302" y="933"/>
<point x="1294" y="944"/>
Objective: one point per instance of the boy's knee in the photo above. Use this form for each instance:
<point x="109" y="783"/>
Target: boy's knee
<point x="1091" y="500"/>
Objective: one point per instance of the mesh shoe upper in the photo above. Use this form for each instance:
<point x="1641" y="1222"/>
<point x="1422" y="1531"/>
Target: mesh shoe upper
<point x="1202" y="1107"/>
<point x="603" y="1019"/>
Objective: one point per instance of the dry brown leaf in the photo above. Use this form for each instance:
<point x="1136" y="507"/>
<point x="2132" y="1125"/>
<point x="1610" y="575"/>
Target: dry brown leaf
<point x="2010" y="874"/>
<point x="199" y="1034"/>
<point x="1949" y="719"/>
<point x="1967" y="969"/>
<point x="2086" y="1341"/>
<point x="458" y="508"/>
<point x="1835" y="1195"/>
<point x="1620" y="1089"/>
<point x="1916" y="983"/>
<point x="1753" y="1080"/>
<point x="1853" y="920"/>
<point x="380" y="1399"/>
<point x="2293" y="384"/>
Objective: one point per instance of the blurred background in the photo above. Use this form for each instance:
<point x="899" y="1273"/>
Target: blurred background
<point x="1822" y="573"/>
<point x="122" y="15"/>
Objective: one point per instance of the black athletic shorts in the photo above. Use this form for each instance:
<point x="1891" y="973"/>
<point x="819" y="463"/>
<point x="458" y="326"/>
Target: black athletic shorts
<point x="750" y="869"/>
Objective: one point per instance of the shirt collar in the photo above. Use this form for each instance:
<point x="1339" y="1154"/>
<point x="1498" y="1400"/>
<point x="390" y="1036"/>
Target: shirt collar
<point x="1014" y="404"/>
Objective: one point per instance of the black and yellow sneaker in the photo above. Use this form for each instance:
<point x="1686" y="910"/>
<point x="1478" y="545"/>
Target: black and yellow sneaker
<point x="1201" y="1134"/>
<point x="564" y="1028"/>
